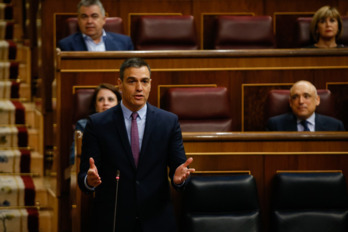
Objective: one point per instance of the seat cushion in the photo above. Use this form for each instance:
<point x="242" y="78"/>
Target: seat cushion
<point x="318" y="221"/>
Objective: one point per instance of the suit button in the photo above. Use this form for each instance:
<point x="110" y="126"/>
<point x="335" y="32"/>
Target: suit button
<point x="137" y="182"/>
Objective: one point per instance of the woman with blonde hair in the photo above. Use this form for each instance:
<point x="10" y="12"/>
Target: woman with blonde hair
<point x="326" y="28"/>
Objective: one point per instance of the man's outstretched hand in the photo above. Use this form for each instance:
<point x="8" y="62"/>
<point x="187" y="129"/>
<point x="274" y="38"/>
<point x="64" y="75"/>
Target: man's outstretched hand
<point x="183" y="172"/>
<point x="93" y="178"/>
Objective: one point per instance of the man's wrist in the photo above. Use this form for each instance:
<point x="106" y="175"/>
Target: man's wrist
<point x="87" y="186"/>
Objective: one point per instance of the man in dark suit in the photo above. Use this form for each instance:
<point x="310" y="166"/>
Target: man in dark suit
<point x="91" y="19"/>
<point x="303" y="101"/>
<point x="108" y="145"/>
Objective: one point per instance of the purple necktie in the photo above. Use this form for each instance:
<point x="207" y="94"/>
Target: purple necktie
<point x="135" y="138"/>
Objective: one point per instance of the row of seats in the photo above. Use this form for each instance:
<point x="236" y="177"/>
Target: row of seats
<point x="194" y="106"/>
<point x="155" y="32"/>
<point x="316" y="201"/>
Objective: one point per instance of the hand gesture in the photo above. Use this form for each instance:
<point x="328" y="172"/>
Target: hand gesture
<point x="93" y="178"/>
<point x="182" y="172"/>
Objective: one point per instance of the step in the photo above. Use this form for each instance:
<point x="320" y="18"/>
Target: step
<point x="20" y="113"/>
<point x="22" y="191"/>
<point x="17" y="220"/>
<point x="33" y="117"/>
<point x="13" y="137"/>
<point x="35" y="140"/>
<point x="10" y="89"/>
<point x="21" y="161"/>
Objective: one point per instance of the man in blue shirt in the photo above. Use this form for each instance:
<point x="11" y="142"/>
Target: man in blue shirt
<point x="92" y="37"/>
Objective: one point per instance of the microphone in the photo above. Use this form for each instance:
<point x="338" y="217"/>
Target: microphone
<point x="117" y="180"/>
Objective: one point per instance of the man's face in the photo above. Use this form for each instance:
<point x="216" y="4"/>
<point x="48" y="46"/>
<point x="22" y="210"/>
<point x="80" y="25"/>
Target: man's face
<point x="91" y="21"/>
<point x="135" y="87"/>
<point x="303" y="100"/>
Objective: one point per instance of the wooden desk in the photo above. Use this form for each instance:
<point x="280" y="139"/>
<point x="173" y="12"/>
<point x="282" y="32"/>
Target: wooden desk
<point x="248" y="76"/>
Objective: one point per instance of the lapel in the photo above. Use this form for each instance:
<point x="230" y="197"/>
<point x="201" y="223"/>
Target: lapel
<point x="318" y="123"/>
<point x="79" y="43"/>
<point x="292" y="125"/>
<point x="108" y="45"/>
<point x="121" y="129"/>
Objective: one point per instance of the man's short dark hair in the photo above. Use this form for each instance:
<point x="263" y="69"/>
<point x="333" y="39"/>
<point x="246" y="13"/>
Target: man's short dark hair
<point x="135" y="62"/>
<point x="87" y="3"/>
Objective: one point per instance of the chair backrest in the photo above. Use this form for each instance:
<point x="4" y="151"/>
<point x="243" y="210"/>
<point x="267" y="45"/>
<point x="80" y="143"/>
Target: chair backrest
<point x="244" y="32"/>
<point x="315" y="201"/>
<point x="167" y="32"/>
<point x="83" y="97"/>
<point x="303" y="36"/>
<point x="112" y="24"/>
<point x="68" y="24"/>
<point x="221" y="203"/>
<point x="344" y="37"/>
<point x="200" y="109"/>
<point x="303" y="32"/>
<point x="277" y="103"/>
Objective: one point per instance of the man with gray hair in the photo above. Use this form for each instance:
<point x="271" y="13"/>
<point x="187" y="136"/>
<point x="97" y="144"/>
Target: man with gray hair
<point x="303" y="101"/>
<point x="92" y="37"/>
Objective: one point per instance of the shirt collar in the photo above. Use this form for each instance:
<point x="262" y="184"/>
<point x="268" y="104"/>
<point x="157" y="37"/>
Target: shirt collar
<point x="86" y="37"/>
<point x="127" y="113"/>
<point x="310" y="120"/>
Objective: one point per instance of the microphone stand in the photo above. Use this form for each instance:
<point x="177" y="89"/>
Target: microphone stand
<point x="117" y="180"/>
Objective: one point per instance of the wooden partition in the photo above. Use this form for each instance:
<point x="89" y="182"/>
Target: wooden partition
<point x="248" y="75"/>
<point x="265" y="153"/>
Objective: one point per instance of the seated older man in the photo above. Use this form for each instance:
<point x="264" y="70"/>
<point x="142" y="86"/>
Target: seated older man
<point x="303" y="101"/>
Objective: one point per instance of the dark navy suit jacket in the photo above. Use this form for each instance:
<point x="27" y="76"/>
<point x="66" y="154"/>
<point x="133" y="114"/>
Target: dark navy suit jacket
<point x="288" y="122"/>
<point x="144" y="192"/>
<point x="113" y="42"/>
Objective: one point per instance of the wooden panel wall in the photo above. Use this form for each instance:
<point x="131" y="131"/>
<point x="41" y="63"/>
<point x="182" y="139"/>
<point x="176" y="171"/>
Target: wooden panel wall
<point x="46" y="70"/>
<point x="123" y="7"/>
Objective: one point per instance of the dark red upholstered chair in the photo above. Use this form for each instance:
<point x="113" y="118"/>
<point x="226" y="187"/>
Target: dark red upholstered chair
<point x="169" y="32"/>
<point x="278" y="103"/>
<point x="303" y="32"/>
<point x="344" y="36"/>
<point x="244" y="32"/>
<point x="112" y="24"/>
<point x="200" y="109"/>
<point x="303" y="36"/>
<point x="82" y="98"/>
